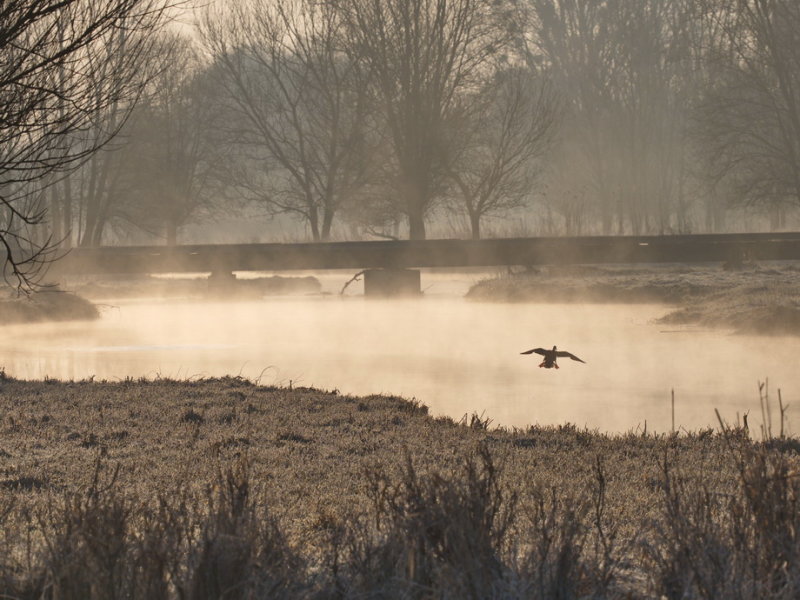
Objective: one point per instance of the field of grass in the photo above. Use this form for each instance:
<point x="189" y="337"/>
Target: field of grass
<point x="225" y="489"/>
<point x="754" y="298"/>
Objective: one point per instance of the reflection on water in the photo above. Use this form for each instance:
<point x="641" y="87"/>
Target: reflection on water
<point x="455" y="356"/>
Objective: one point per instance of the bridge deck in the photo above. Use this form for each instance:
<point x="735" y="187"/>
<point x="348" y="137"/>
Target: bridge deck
<point x="431" y="253"/>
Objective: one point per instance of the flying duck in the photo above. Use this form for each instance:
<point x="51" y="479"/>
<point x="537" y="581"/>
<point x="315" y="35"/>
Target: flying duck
<point x="550" y="356"/>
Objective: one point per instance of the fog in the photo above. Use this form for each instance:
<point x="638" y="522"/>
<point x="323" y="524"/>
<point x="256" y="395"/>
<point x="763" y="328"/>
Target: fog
<point x="455" y="356"/>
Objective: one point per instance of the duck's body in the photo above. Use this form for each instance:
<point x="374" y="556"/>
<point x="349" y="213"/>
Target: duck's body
<point x="551" y="356"/>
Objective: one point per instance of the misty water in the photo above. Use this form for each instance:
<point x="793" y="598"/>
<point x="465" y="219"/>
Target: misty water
<point x="455" y="356"/>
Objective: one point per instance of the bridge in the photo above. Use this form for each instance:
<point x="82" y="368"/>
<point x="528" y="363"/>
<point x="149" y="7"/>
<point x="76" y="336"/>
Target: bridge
<point x="381" y="258"/>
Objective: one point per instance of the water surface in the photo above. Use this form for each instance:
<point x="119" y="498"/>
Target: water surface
<point x="457" y="357"/>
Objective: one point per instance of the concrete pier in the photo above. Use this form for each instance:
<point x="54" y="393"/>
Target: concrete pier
<point x="220" y="282"/>
<point x="391" y="283"/>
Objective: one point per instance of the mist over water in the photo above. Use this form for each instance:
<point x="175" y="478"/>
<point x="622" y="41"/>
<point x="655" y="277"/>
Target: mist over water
<point x="457" y="357"/>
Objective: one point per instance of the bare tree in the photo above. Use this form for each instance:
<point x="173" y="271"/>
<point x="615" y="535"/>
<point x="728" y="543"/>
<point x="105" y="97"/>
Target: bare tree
<point x="749" y="122"/>
<point x="294" y="110"/>
<point x="103" y="185"/>
<point x="418" y="56"/>
<point x="572" y="40"/>
<point x="496" y="147"/>
<point x="653" y="91"/>
<point x="625" y="70"/>
<point x="171" y="159"/>
<point x="49" y="97"/>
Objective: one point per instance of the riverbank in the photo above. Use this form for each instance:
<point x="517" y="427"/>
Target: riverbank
<point x="45" y="305"/>
<point x="195" y="488"/>
<point x="80" y="302"/>
<point x="754" y="298"/>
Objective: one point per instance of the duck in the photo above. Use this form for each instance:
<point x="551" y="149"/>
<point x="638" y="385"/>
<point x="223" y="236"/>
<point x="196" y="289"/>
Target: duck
<point x="551" y="356"/>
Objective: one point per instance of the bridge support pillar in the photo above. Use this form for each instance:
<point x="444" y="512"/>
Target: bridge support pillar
<point x="388" y="283"/>
<point x="220" y="282"/>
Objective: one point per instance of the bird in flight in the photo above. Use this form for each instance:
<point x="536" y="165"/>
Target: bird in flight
<point x="550" y="356"/>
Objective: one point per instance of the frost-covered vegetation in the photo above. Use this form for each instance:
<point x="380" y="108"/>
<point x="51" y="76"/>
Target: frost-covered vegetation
<point x="45" y="305"/>
<point x="754" y="298"/>
<point x="222" y="488"/>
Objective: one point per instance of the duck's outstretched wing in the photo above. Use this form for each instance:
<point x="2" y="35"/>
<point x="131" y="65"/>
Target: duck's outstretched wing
<point x="541" y="351"/>
<point x="566" y="354"/>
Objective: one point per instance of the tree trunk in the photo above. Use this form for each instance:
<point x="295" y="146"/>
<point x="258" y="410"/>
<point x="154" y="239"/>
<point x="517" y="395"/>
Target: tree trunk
<point x="416" y="226"/>
<point x="313" y="221"/>
<point x="327" y="223"/>
<point x="607" y="217"/>
<point x="97" y="236"/>
<point x="415" y="209"/>
<point x="66" y="213"/>
<point x="777" y="218"/>
<point x="55" y="214"/>
<point x="92" y="204"/>
<point x="475" y="223"/>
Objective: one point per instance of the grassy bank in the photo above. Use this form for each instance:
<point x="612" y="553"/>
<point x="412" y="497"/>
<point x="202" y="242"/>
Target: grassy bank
<point x="221" y="488"/>
<point x="752" y="298"/>
<point x="45" y="305"/>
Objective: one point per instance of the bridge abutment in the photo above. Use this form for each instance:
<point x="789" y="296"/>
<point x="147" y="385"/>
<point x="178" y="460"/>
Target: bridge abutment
<point x="389" y="283"/>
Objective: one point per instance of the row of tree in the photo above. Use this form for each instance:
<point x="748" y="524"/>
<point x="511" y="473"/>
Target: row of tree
<point x="607" y="116"/>
<point x="71" y="71"/>
<point x="675" y="106"/>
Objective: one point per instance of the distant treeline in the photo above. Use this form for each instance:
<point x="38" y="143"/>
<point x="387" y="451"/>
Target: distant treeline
<point x="395" y="118"/>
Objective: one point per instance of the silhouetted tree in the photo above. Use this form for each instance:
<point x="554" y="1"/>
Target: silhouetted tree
<point x="626" y="72"/>
<point x="51" y="92"/>
<point x="417" y="57"/>
<point x="749" y="122"/>
<point x="496" y="144"/>
<point x="293" y="108"/>
<point x="172" y="162"/>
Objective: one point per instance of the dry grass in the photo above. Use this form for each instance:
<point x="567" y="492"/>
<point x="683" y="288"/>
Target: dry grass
<point x="757" y="299"/>
<point x="221" y="488"/>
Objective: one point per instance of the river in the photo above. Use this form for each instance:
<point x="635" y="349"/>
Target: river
<point x="455" y="356"/>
